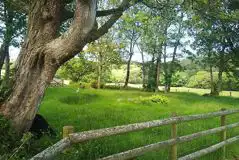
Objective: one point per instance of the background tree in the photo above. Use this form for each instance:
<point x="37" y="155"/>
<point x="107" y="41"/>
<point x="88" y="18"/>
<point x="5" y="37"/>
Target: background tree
<point x="214" y="24"/>
<point x="129" y="34"/>
<point x="104" y="53"/>
<point x="76" y="68"/>
<point x="12" y="32"/>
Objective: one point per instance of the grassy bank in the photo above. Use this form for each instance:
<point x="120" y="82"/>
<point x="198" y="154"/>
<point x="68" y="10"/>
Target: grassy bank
<point x="92" y="109"/>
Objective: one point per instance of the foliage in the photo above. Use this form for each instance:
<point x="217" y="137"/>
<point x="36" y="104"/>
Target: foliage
<point x="77" y="68"/>
<point x="202" y="80"/>
<point x="94" y="84"/>
<point x="179" y="79"/>
<point x="152" y="99"/>
<point x="118" y="74"/>
<point x="14" y="28"/>
<point x="215" y="31"/>
<point x="105" y="54"/>
<point x="12" y="146"/>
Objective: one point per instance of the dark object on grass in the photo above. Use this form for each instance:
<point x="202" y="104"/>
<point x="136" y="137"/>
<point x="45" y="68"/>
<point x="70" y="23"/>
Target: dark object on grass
<point x="40" y="127"/>
<point x="206" y="95"/>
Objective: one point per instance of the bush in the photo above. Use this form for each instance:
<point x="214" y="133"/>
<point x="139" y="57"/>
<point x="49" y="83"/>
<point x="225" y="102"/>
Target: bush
<point x="94" y="84"/>
<point x="152" y="99"/>
<point x="12" y="146"/>
<point x="80" y="85"/>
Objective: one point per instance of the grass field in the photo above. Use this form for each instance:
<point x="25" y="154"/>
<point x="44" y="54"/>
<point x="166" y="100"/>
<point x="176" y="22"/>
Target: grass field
<point x="93" y="109"/>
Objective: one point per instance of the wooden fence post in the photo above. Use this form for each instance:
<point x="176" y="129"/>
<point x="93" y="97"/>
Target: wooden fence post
<point x="223" y="134"/>
<point x="174" y="136"/>
<point x="67" y="130"/>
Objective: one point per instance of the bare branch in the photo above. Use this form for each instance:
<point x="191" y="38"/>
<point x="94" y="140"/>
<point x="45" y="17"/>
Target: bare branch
<point x="110" y="11"/>
<point x="69" y="14"/>
<point x="97" y="33"/>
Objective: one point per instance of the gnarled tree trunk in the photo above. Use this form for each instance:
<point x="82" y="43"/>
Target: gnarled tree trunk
<point x="42" y="54"/>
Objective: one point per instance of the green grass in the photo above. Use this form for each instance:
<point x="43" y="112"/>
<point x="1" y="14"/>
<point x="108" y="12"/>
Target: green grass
<point x="93" y="109"/>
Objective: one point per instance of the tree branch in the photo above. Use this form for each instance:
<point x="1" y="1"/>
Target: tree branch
<point x="109" y="12"/>
<point x="69" y="14"/>
<point x="97" y="33"/>
<point x="73" y="40"/>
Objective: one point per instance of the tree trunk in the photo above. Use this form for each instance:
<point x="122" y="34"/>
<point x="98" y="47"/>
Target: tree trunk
<point x="151" y="75"/>
<point x="211" y="81"/>
<point x="99" y="71"/>
<point x="7" y="66"/>
<point x="2" y="57"/>
<point x="172" y="66"/>
<point x="165" y="67"/>
<point x="4" y="50"/>
<point x="143" y="68"/>
<point x="40" y="57"/>
<point x="219" y="83"/>
<point x="220" y="70"/>
<point x="157" y="72"/>
<point x="128" y="71"/>
<point x="133" y="40"/>
<point x="43" y="53"/>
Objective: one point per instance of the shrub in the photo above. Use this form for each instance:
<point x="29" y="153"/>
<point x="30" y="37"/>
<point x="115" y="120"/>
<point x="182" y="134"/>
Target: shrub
<point x="152" y="99"/>
<point x="94" y="84"/>
<point x="80" y="85"/>
<point x="12" y="145"/>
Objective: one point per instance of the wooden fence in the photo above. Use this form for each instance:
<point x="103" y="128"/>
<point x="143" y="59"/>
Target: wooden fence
<point x="70" y="138"/>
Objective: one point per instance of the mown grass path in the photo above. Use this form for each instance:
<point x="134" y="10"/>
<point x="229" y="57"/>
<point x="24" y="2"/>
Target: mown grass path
<point x="93" y="109"/>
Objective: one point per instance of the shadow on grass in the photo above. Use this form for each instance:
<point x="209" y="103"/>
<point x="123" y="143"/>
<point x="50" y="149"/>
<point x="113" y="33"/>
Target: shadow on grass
<point x="78" y="99"/>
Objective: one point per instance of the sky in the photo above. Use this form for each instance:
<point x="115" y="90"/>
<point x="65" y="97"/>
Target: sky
<point x="14" y="52"/>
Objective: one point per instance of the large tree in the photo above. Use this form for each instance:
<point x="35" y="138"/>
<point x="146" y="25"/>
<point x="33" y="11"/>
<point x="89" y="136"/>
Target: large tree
<point x="215" y="26"/>
<point x="44" y="51"/>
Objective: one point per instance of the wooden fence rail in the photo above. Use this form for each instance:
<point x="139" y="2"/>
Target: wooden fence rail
<point x="80" y="137"/>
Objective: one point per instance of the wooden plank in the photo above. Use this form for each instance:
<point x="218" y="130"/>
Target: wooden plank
<point x="95" y="134"/>
<point x="209" y="149"/>
<point x="173" y="153"/>
<point x="157" y="146"/>
<point x="52" y="151"/>
<point x="223" y="135"/>
<point x="67" y="130"/>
